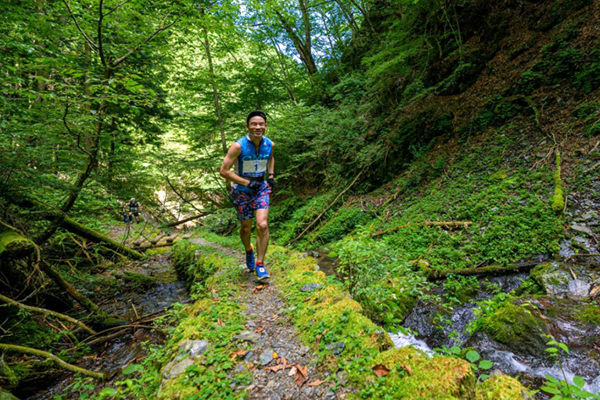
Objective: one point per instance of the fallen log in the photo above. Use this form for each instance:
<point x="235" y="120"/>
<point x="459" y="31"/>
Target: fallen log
<point x="49" y="356"/>
<point x="44" y="311"/>
<point x="188" y="235"/>
<point x="171" y="238"/>
<point x="96" y="237"/>
<point x="146" y="246"/>
<point x="14" y="245"/>
<point x="448" y="224"/>
<point x="491" y="270"/>
<point x="158" y="237"/>
<point x="183" y="221"/>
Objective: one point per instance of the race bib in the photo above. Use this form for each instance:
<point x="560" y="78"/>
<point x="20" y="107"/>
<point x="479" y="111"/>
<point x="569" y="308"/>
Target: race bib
<point x="255" y="166"/>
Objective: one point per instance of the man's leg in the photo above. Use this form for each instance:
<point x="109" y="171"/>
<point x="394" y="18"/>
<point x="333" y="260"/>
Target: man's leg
<point x="130" y="217"/>
<point x="245" y="228"/>
<point x="262" y="233"/>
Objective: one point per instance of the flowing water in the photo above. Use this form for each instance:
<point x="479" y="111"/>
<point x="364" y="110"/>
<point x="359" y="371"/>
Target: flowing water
<point x="583" y="341"/>
<point x="129" y="348"/>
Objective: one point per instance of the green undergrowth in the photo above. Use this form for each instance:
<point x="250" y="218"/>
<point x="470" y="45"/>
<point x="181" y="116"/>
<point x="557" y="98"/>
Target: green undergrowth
<point x="328" y="317"/>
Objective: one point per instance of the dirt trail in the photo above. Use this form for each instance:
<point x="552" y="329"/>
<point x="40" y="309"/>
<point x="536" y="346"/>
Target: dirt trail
<point x="265" y="311"/>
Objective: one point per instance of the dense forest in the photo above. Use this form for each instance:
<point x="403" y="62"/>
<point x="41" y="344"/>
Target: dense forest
<point x="433" y="228"/>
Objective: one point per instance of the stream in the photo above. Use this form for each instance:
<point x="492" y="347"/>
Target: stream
<point x="118" y="353"/>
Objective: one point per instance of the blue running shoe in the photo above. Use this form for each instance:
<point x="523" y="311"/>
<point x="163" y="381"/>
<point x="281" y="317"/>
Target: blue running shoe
<point x="261" y="273"/>
<point x="250" y="259"/>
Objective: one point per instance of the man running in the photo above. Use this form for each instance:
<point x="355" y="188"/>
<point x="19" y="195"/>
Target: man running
<point x="252" y="157"/>
<point x="134" y="209"/>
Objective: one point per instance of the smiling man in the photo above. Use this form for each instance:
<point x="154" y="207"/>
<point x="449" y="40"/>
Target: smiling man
<point x="252" y="157"/>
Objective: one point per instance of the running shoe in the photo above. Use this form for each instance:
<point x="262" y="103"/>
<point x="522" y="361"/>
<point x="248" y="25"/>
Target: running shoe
<point x="261" y="273"/>
<point x="250" y="259"/>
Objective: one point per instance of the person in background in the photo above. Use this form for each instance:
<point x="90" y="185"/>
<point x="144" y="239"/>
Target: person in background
<point x="253" y="181"/>
<point x="134" y="211"/>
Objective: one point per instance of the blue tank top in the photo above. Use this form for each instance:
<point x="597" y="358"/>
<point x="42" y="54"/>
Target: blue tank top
<point x="253" y="162"/>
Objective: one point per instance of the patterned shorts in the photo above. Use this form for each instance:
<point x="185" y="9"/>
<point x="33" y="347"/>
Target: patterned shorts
<point x="246" y="201"/>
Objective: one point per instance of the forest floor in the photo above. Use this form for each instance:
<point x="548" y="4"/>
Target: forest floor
<point x="277" y="356"/>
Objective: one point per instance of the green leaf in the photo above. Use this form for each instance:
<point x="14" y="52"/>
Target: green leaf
<point x="549" y="389"/>
<point x="130" y="369"/>
<point x="564" y="347"/>
<point x="486" y="364"/>
<point x="483" y="377"/>
<point x="472" y="356"/>
<point x="579" y="382"/>
<point x="552" y="379"/>
<point x="108" y="392"/>
<point x="552" y="350"/>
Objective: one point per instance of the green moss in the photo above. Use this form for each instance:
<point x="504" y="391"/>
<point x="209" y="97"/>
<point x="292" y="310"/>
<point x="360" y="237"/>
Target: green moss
<point x="590" y="313"/>
<point x="413" y="375"/>
<point x="501" y="387"/>
<point x="514" y="325"/>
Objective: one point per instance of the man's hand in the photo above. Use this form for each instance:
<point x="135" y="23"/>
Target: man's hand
<point x="254" y="185"/>
<point x="271" y="182"/>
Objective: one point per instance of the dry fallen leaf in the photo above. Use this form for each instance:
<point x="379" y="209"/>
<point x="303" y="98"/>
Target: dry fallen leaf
<point x="259" y="288"/>
<point x="276" y="368"/>
<point x="219" y="322"/>
<point x="315" y="383"/>
<point x="319" y="338"/>
<point x="406" y="368"/>
<point x="293" y="371"/>
<point x="260" y="329"/>
<point x="301" y="375"/>
<point x="239" y="353"/>
<point x="381" y="370"/>
<point x="594" y="292"/>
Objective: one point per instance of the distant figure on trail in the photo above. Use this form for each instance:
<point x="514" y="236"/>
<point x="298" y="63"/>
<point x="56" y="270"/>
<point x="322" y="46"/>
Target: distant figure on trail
<point x="134" y="211"/>
<point x="252" y="157"/>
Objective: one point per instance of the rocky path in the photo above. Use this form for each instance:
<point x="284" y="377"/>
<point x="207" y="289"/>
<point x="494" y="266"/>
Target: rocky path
<point x="282" y="367"/>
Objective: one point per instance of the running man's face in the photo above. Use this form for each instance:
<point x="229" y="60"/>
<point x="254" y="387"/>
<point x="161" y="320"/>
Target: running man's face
<point x="256" y="126"/>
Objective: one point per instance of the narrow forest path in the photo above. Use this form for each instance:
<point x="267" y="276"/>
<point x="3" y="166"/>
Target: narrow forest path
<point x="270" y="333"/>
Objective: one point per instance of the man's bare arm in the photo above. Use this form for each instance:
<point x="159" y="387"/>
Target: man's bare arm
<point x="232" y="155"/>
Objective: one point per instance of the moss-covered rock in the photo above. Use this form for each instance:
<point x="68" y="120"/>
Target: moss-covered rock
<point x="501" y="387"/>
<point x="413" y="375"/>
<point x="515" y="326"/>
<point x="590" y="313"/>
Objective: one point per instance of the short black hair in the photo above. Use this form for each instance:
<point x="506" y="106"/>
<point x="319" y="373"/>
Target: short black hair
<point x="256" y="114"/>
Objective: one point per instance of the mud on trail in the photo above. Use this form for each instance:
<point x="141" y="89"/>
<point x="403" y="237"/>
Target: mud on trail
<point x="282" y="367"/>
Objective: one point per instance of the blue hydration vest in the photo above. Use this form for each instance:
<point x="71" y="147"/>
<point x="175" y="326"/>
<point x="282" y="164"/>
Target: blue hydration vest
<point x="253" y="162"/>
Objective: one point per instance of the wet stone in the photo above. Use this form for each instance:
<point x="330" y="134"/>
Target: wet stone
<point x="303" y="350"/>
<point x="250" y="356"/>
<point x="248" y="336"/>
<point x="342" y="377"/>
<point x="582" y="229"/>
<point x="239" y="368"/>
<point x="173" y="370"/>
<point x="337" y="348"/>
<point x="266" y="357"/>
<point x="578" y="290"/>
<point x="309" y="287"/>
<point x="193" y="347"/>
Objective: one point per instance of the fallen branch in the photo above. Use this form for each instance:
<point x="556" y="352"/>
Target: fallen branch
<point x="44" y="311"/>
<point x="44" y="354"/>
<point x="435" y="275"/>
<point x="326" y="209"/>
<point x="449" y="224"/>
